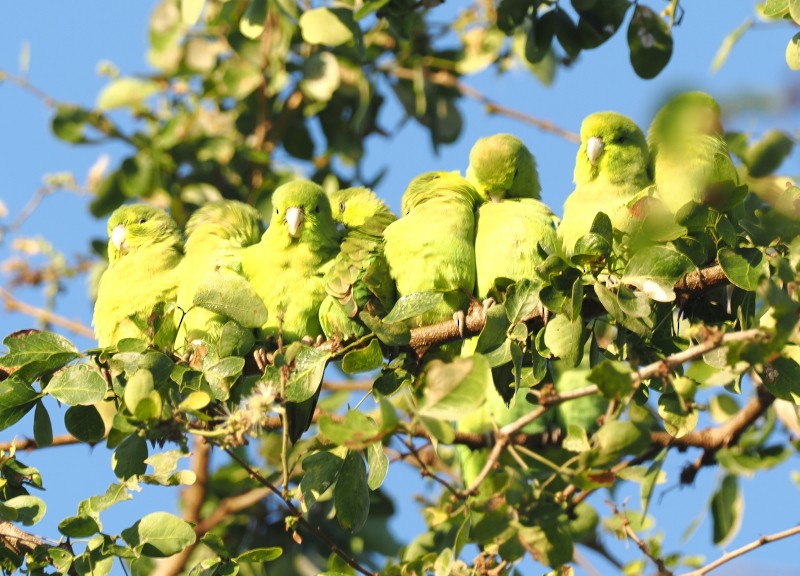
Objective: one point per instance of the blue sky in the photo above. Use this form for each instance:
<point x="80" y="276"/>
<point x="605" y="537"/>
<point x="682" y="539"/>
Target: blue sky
<point x="68" y="40"/>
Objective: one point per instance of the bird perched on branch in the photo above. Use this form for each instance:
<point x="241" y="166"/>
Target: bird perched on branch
<point x="359" y="277"/>
<point x="286" y="267"/>
<point x="215" y="236"/>
<point x="611" y="168"/>
<point x="432" y="246"/>
<point x="136" y="291"/>
<point x="514" y="230"/>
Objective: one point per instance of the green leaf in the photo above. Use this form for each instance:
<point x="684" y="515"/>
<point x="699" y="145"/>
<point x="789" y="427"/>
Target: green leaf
<point x="744" y="267"/>
<point x="655" y="269"/>
<point x="679" y="420"/>
<point x="78" y="527"/>
<point x="728" y="43"/>
<point x="378" y="463"/>
<point x="522" y="300"/>
<point x="320" y="471"/>
<point x="782" y="379"/>
<point x="93" y="505"/>
<point x="327" y="26"/>
<point x="61" y="559"/>
<point x="413" y="305"/>
<point x="576" y="439"/>
<point x="222" y="375"/>
<point x="37" y="354"/>
<point x="649" y="42"/>
<point x="126" y="92"/>
<point x="260" y="554"/>
<point x="129" y="457"/>
<point x="70" y="123"/>
<point x="765" y="156"/>
<point x="227" y="293"/>
<point x="364" y="359"/>
<point x="351" y="494"/>
<point x="85" y="423"/>
<point x="727" y="508"/>
<point x="29" y="509"/>
<point x="613" y="378"/>
<point x="42" y="427"/>
<point x="252" y="23"/>
<point x="652" y="477"/>
<point x="321" y="76"/>
<point x="138" y="389"/>
<point x="793" y="52"/>
<point x="159" y="535"/>
<point x="455" y="388"/>
<point x="390" y="333"/>
<point x="357" y="430"/>
<point x="77" y="384"/>
<point x="564" y="338"/>
<point x="616" y="439"/>
<point x="794" y="10"/>
<point x="551" y="544"/>
<point x="775" y="8"/>
<point x="16" y="400"/>
<point x="306" y="375"/>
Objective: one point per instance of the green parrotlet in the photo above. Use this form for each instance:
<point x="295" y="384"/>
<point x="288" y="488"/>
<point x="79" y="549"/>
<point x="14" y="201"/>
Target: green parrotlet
<point x="611" y="168"/>
<point x="140" y="283"/>
<point x="359" y="277"/>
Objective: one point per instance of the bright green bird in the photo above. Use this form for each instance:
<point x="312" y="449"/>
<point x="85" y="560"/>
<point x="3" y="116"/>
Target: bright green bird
<point x="286" y="269"/>
<point x="215" y="235"/>
<point x="611" y="168"/>
<point x="359" y="277"/>
<point x="511" y="222"/>
<point x="432" y="246"/>
<point x="691" y="158"/>
<point x="501" y="166"/>
<point x="144" y="251"/>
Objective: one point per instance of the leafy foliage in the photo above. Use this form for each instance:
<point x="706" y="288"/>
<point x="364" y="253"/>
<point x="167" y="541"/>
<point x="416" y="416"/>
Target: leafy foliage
<point x="612" y="358"/>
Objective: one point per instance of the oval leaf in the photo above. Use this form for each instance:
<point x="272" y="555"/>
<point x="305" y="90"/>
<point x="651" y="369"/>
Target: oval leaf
<point x="351" y="494"/>
<point x="455" y="388"/>
<point x="77" y="384"/>
<point x="159" y="535"/>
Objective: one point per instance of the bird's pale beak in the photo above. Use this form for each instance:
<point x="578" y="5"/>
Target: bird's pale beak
<point x="594" y="147"/>
<point x="496" y="197"/>
<point x="118" y="235"/>
<point x="294" y="220"/>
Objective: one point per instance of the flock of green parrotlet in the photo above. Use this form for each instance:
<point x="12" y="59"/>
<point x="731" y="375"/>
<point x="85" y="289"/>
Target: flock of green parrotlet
<point x="324" y="258"/>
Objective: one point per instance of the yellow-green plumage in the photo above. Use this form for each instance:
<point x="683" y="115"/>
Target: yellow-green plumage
<point x="501" y="166"/>
<point x="140" y="283"/>
<point x="286" y="267"/>
<point x="359" y="277"/>
<point x="215" y="236"/>
<point x="691" y="158"/>
<point x="612" y="166"/>
<point x="431" y="247"/>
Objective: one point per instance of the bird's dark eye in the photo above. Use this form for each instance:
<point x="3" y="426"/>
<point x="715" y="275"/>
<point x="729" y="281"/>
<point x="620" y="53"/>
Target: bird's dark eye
<point x="341" y="206"/>
<point x="277" y="211"/>
<point x="142" y="220"/>
<point x="620" y="139"/>
<point x="516" y="172"/>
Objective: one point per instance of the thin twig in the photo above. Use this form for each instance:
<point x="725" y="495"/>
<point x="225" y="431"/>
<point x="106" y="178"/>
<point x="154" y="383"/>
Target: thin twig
<point x="744" y="550"/>
<point x="295" y="512"/>
<point x="44" y="316"/>
<point x="659" y="562"/>
<point x="450" y="80"/>
<point x="31" y="444"/>
<point x="426" y="472"/>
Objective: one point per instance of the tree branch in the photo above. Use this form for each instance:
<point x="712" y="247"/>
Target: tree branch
<point x="31" y="444"/>
<point x="450" y="80"/>
<point x="626" y="526"/>
<point x="301" y="520"/>
<point x="744" y="550"/>
<point x="45" y="316"/>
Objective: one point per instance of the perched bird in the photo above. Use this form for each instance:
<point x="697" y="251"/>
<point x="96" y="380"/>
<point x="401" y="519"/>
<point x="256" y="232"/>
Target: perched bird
<point x="215" y="235"/>
<point x="690" y="156"/>
<point x="144" y="251"/>
<point x="511" y="222"/>
<point x="611" y="168"/>
<point x="432" y="246"/>
<point x="501" y="166"/>
<point x="359" y="276"/>
<point x="286" y="269"/>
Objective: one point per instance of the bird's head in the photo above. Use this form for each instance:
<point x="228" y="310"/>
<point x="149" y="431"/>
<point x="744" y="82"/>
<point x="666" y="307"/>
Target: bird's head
<point x="223" y="221"/>
<point x="137" y="225"/>
<point x="687" y="115"/>
<point x="301" y="207"/>
<point x="611" y="144"/>
<point x="353" y="207"/>
<point x="432" y="185"/>
<point x="501" y="166"/>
